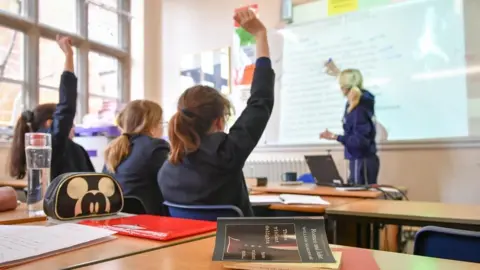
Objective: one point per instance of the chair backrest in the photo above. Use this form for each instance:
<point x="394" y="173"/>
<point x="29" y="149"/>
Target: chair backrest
<point x="306" y="178"/>
<point x="133" y="205"/>
<point x="445" y="243"/>
<point x="203" y="212"/>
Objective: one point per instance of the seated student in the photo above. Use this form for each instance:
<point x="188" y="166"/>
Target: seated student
<point x="8" y="199"/>
<point x="135" y="157"/>
<point x="205" y="165"/>
<point x="56" y="119"/>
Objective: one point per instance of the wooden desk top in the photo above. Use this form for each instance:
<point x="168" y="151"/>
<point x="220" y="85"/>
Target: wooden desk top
<point x="318" y="209"/>
<point x="312" y="189"/>
<point x="17" y="184"/>
<point x="198" y="256"/>
<point x="122" y="246"/>
<point x="19" y="215"/>
<point x="410" y="210"/>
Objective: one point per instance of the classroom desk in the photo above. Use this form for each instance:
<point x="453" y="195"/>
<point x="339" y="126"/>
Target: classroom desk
<point x="409" y="213"/>
<point x="312" y="189"/>
<point x="16" y="184"/>
<point x="317" y="209"/>
<point x="19" y="215"/>
<point x="198" y="256"/>
<point x="120" y="247"/>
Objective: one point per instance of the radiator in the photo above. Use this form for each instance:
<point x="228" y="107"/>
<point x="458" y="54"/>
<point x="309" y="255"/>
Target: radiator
<point x="273" y="169"/>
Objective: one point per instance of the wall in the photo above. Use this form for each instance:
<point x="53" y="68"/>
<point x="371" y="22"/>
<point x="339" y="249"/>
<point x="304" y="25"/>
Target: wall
<point x="196" y="26"/>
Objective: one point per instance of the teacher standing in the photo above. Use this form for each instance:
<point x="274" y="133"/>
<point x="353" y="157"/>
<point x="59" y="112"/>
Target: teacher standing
<point x="358" y="126"/>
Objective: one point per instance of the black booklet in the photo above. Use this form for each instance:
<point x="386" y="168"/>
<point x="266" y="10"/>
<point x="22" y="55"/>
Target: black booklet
<point x="288" y="240"/>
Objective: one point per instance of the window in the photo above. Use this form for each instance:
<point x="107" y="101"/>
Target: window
<point x="11" y="75"/>
<point x="58" y="13"/>
<point x="51" y="63"/>
<point x="10" y="103"/>
<point x="31" y="63"/>
<point x="47" y="95"/>
<point x="103" y="75"/>
<point x="101" y="104"/>
<point x="11" y="54"/>
<point x="103" y="22"/>
<point x="13" y="6"/>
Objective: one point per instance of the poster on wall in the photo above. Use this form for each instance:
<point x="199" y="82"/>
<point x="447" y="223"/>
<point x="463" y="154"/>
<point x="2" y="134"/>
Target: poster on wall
<point x="210" y="68"/>
<point x="243" y="53"/>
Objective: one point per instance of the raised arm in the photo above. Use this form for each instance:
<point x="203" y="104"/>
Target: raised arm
<point x="64" y="115"/>
<point x="248" y="129"/>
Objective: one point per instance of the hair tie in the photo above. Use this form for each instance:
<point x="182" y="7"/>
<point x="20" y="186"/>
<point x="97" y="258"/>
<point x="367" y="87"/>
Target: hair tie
<point x="27" y="116"/>
<point x="126" y="135"/>
<point x="188" y="113"/>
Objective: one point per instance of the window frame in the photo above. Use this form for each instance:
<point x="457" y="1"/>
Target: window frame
<point x="28" y="23"/>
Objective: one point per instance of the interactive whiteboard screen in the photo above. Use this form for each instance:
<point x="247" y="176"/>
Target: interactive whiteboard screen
<point x="420" y="58"/>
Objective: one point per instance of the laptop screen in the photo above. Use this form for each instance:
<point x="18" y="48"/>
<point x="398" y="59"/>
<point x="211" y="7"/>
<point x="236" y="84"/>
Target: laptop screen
<point x="323" y="169"/>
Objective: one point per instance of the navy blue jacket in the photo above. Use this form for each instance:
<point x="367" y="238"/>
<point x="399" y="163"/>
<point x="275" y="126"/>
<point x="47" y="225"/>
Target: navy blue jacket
<point x="213" y="174"/>
<point x="359" y="129"/>
<point x="137" y="173"/>
<point x="67" y="156"/>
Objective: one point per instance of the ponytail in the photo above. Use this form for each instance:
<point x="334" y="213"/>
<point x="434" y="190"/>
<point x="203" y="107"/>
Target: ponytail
<point x="116" y="151"/>
<point x="183" y="136"/>
<point x="353" y="96"/>
<point x="18" y="162"/>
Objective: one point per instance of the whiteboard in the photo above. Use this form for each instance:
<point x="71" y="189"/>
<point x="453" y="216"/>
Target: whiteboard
<point x="421" y="58"/>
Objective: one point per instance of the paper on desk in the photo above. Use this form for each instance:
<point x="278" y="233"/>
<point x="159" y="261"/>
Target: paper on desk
<point x="21" y="244"/>
<point x="4" y="229"/>
<point x="302" y="199"/>
<point x="264" y="199"/>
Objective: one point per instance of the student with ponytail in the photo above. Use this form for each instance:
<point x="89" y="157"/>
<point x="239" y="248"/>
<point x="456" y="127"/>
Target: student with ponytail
<point x="205" y="165"/>
<point x="135" y="157"/>
<point x="56" y="119"/>
<point x="359" y="129"/>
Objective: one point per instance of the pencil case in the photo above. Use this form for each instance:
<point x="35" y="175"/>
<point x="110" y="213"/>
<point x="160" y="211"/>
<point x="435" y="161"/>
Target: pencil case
<point x="82" y="195"/>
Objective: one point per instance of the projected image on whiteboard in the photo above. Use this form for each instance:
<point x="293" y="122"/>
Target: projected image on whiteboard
<point x="411" y="54"/>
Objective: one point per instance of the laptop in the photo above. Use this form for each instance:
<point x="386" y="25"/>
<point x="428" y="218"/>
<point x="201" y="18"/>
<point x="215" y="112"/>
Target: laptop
<point x="325" y="173"/>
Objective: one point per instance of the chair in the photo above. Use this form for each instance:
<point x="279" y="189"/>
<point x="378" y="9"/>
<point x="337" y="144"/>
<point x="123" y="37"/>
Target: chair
<point x="307" y="178"/>
<point x="445" y="243"/>
<point x="203" y="212"/>
<point x="133" y="205"/>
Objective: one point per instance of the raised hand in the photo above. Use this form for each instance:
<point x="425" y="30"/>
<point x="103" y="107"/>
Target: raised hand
<point x="247" y="19"/>
<point x="331" y="68"/>
<point x="65" y="44"/>
<point x="327" y="135"/>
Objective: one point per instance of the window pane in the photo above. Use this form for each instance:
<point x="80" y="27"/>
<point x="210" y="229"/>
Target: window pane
<point x="103" y="75"/>
<point x="103" y="22"/>
<point x="58" y="13"/>
<point x="10" y="102"/>
<point x="13" y="6"/>
<point x="51" y="63"/>
<point x="101" y="105"/>
<point x="47" y="95"/>
<point x="11" y="54"/>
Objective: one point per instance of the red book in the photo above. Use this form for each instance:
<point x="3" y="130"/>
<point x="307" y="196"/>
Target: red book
<point x="154" y="227"/>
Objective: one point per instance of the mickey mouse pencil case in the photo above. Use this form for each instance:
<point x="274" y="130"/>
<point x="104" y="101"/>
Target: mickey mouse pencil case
<point x="82" y="195"/>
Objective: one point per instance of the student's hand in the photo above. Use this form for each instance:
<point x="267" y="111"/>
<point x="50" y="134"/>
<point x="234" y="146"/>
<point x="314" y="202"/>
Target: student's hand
<point x="247" y="19"/>
<point x="327" y="135"/>
<point x="65" y="43"/>
<point x="331" y="68"/>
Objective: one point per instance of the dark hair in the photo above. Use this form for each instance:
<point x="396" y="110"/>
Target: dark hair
<point x="29" y="121"/>
<point x="138" y="117"/>
<point x="198" y="107"/>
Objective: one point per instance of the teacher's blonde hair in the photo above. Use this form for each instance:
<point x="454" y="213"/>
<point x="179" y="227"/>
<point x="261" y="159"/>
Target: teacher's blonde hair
<point x="351" y="79"/>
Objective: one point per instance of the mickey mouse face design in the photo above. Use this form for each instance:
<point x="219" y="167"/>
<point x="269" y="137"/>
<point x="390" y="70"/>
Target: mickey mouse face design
<point x="91" y="201"/>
